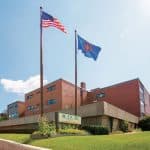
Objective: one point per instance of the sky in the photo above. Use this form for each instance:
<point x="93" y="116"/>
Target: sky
<point x="120" y="27"/>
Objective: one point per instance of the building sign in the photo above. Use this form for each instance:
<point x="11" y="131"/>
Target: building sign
<point x="67" y="118"/>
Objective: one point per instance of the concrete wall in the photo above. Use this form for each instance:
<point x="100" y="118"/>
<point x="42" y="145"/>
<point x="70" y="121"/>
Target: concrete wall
<point x="105" y="121"/>
<point x="27" y="120"/>
<point x="96" y="113"/>
<point x="113" y="111"/>
<point x="103" y="108"/>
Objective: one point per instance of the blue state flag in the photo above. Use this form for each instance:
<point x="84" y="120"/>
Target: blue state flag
<point x="88" y="49"/>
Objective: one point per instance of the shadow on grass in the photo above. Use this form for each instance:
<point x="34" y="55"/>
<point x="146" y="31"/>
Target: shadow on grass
<point x="27" y="141"/>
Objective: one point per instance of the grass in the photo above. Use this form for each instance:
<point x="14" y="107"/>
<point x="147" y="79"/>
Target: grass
<point x="136" y="141"/>
<point x="20" y="138"/>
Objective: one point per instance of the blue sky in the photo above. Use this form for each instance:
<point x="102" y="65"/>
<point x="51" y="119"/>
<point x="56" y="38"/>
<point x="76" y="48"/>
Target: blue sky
<point x="120" y="28"/>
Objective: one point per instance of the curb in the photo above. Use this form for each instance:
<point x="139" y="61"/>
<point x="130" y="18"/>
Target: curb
<point x="9" y="145"/>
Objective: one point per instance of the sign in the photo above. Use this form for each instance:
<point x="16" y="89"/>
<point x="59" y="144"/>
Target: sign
<point x="67" y="118"/>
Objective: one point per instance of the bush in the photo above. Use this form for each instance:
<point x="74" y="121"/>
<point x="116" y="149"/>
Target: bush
<point x="3" y="118"/>
<point x="144" y="124"/>
<point x="72" y="132"/>
<point x="67" y="126"/>
<point x="46" y="128"/>
<point x="38" y="135"/>
<point x="96" y="130"/>
<point x="123" y="126"/>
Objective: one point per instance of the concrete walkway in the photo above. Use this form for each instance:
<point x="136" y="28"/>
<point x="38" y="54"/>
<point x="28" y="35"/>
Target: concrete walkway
<point x="10" y="145"/>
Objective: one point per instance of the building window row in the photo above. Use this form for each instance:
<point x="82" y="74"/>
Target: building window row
<point x="51" y="101"/>
<point x="100" y="95"/>
<point x="142" y="99"/>
<point x="12" y="106"/>
<point x="13" y="115"/>
<point x="30" y="108"/>
<point x="33" y="108"/>
<point x="51" y="88"/>
<point x="29" y="96"/>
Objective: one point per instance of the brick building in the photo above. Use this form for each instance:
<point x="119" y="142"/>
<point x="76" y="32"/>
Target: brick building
<point x="58" y="95"/>
<point x="101" y="106"/>
<point x="130" y="96"/>
<point x="16" y="109"/>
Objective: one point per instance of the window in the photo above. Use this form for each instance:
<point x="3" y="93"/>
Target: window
<point x="10" y="107"/>
<point x="51" y="88"/>
<point x="141" y="93"/>
<point x="29" y="96"/>
<point x="51" y="101"/>
<point x="13" y="115"/>
<point x="142" y="99"/>
<point x="30" y="108"/>
<point x="100" y="95"/>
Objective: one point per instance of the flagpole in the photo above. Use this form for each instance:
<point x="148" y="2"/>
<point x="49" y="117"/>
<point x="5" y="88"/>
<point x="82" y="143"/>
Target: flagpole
<point x="76" y="73"/>
<point x="41" y="63"/>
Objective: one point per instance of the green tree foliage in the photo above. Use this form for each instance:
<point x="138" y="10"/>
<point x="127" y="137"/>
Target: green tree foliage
<point x="96" y="130"/>
<point x="2" y="118"/>
<point x="46" y="128"/>
<point x="123" y="126"/>
<point x="144" y="123"/>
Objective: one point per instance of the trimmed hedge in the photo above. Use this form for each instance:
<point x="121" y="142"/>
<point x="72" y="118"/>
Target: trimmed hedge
<point x="144" y="124"/>
<point x="96" y="130"/>
<point x="72" y="132"/>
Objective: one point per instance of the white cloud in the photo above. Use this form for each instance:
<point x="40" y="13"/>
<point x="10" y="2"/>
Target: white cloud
<point x="22" y="86"/>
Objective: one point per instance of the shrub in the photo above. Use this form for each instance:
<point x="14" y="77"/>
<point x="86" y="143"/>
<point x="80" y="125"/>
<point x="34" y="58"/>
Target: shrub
<point x="72" y="132"/>
<point x="95" y="129"/>
<point x="144" y="123"/>
<point x="3" y="118"/>
<point x="67" y="126"/>
<point x="46" y="128"/>
<point x="123" y="126"/>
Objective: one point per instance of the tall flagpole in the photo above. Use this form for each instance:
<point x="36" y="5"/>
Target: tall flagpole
<point x="76" y="73"/>
<point x="41" y="63"/>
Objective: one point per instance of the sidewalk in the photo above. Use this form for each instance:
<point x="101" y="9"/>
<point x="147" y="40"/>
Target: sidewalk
<point x="11" y="145"/>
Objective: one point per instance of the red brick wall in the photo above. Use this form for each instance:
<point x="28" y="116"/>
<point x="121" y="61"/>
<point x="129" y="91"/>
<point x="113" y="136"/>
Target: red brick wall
<point x="35" y="100"/>
<point x="64" y="93"/>
<point x="21" y="109"/>
<point x="124" y="95"/>
<point x="68" y="95"/>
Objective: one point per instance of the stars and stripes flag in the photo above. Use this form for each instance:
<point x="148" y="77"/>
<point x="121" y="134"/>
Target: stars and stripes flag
<point x="48" y="20"/>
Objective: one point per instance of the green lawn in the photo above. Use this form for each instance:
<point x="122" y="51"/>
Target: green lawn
<point x="136" y="141"/>
<point x="21" y="138"/>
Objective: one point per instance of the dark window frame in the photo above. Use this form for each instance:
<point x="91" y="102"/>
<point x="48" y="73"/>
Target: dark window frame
<point x="51" y="88"/>
<point x="51" y="101"/>
<point x="100" y="95"/>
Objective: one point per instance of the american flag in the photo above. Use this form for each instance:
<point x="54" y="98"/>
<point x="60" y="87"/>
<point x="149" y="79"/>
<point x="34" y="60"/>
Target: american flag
<point x="48" y="20"/>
